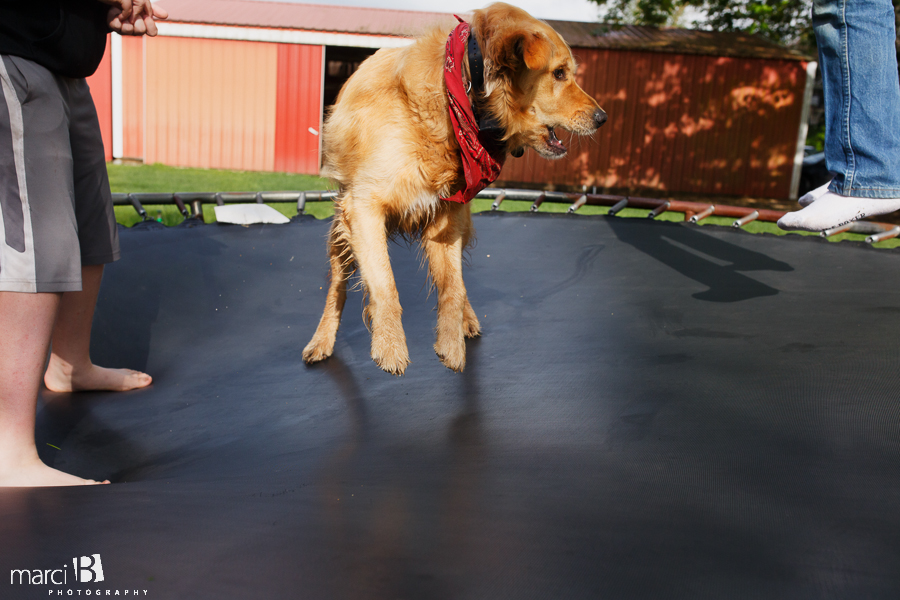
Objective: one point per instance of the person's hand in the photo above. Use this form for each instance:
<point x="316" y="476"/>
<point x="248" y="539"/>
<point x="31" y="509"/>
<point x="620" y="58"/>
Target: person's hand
<point x="134" y="17"/>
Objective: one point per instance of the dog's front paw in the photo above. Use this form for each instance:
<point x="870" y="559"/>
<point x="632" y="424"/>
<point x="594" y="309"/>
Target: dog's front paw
<point x="471" y="326"/>
<point x="390" y="354"/>
<point x="452" y="353"/>
<point x="317" y="350"/>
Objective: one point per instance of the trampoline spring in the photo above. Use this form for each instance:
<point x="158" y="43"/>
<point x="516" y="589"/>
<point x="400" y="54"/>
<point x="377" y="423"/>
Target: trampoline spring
<point x="538" y="202"/>
<point x="617" y="207"/>
<point x="659" y="210"/>
<point x="744" y="220"/>
<point x="880" y="237"/>
<point x="138" y="207"/>
<point x="301" y="203"/>
<point x="137" y="200"/>
<point x="499" y="199"/>
<point x="703" y="214"/>
<point x="181" y="207"/>
<point x="578" y="204"/>
<point x="196" y="199"/>
<point x="835" y="230"/>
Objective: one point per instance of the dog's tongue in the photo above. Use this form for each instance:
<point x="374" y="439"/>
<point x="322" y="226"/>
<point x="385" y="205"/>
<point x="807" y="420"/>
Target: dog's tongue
<point x="554" y="141"/>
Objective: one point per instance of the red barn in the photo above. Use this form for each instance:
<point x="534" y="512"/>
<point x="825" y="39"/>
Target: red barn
<point x="235" y="84"/>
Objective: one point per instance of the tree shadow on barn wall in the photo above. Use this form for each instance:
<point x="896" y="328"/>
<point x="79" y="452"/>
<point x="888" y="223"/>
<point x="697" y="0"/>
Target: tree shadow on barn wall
<point x="682" y="123"/>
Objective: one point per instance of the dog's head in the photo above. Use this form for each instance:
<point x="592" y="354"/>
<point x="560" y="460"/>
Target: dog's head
<point x="530" y="81"/>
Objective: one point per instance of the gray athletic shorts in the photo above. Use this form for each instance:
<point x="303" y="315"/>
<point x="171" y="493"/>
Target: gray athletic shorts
<point x="56" y="210"/>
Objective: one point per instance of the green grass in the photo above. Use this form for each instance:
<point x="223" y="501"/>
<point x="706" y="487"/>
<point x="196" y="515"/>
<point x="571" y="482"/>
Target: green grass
<point x="131" y="179"/>
<point x="160" y="178"/>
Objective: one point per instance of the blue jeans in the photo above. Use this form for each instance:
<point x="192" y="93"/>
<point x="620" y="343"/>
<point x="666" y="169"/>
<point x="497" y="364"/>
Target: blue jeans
<point x="862" y="95"/>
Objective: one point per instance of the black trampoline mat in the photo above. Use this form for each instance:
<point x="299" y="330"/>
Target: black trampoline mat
<point x="655" y="410"/>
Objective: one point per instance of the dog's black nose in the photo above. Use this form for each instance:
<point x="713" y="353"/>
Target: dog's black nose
<point x="599" y="117"/>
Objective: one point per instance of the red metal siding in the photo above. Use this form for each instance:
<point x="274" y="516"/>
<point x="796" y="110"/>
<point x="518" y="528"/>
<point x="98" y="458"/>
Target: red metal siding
<point x="133" y="96"/>
<point x="101" y="91"/>
<point x="682" y="123"/>
<point x="298" y="108"/>
<point x="210" y="103"/>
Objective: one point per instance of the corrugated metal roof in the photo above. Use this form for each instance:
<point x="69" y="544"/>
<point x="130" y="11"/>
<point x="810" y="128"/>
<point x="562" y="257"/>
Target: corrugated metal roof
<point x="308" y="17"/>
<point x="675" y="41"/>
<point x="406" y="23"/>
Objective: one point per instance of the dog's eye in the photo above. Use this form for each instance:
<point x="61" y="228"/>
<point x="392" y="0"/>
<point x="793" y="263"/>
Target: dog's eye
<point x="560" y="74"/>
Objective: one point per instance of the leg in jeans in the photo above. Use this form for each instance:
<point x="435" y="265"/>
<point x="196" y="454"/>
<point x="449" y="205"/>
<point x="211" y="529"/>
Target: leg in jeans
<point x="862" y="114"/>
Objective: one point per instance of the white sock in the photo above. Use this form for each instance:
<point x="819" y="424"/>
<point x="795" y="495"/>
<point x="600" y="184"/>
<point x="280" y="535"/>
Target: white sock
<point x="813" y="195"/>
<point x="831" y="210"/>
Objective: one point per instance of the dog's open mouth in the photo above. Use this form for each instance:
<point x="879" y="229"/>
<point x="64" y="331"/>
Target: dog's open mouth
<point x="553" y="143"/>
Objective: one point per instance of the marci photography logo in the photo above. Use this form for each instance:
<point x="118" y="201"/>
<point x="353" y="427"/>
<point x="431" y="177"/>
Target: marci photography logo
<point x="89" y="569"/>
<point x="85" y="570"/>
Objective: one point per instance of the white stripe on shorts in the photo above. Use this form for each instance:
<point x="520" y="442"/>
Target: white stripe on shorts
<point x="17" y="269"/>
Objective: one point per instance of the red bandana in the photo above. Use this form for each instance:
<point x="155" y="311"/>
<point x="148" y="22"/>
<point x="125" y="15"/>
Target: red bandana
<point x="479" y="166"/>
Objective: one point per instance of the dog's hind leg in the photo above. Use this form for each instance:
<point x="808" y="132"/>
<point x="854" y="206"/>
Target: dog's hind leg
<point x="368" y="239"/>
<point x="443" y="241"/>
<point x="322" y="344"/>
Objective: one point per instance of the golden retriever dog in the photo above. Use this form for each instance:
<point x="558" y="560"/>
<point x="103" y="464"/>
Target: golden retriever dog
<point x="389" y="143"/>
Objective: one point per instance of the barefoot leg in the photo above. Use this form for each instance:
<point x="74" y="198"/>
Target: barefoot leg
<point x="26" y="321"/>
<point x="70" y="368"/>
<point x="443" y="241"/>
<point x="368" y="240"/>
<point x="322" y="344"/>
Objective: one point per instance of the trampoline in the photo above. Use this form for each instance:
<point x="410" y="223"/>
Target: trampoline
<point x="655" y="410"/>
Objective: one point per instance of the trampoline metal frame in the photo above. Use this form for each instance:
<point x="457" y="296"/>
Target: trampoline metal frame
<point x="693" y="212"/>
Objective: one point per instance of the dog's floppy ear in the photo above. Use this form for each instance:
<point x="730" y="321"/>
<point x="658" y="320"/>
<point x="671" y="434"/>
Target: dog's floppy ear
<point x="530" y="48"/>
<point x="536" y="50"/>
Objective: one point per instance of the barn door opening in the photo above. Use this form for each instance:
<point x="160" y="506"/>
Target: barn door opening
<point x="340" y="63"/>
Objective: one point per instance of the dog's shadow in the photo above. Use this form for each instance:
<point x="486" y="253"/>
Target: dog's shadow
<point x="378" y="479"/>
<point x="704" y="258"/>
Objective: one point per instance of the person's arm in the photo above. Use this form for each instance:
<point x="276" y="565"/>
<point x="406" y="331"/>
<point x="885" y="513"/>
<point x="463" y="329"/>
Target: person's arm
<point x="134" y="17"/>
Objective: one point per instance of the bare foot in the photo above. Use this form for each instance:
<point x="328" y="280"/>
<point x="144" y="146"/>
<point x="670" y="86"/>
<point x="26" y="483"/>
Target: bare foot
<point x="62" y="377"/>
<point x="37" y="474"/>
